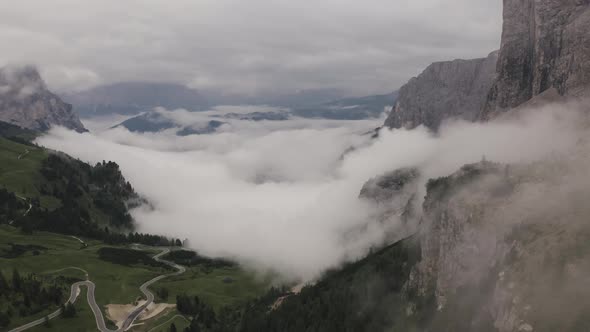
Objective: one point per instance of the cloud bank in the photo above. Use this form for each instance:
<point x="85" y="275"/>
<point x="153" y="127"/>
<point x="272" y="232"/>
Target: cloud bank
<point x="249" y="47"/>
<point x="282" y="195"/>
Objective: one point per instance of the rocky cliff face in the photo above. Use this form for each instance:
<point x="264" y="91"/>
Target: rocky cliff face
<point x="25" y="101"/>
<point x="545" y="44"/>
<point x="504" y="248"/>
<point x="453" y="89"/>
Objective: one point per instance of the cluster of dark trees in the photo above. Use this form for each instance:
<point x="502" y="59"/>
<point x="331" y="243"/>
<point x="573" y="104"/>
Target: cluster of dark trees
<point x="68" y="310"/>
<point x="162" y="294"/>
<point x="82" y="190"/>
<point x="71" y="180"/>
<point x="26" y="295"/>
<point x="367" y="295"/>
<point x="17" y="250"/>
<point x="152" y="240"/>
<point x="203" y="315"/>
<point x="191" y="258"/>
<point x="128" y="257"/>
<point x="17" y="134"/>
<point x="11" y="207"/>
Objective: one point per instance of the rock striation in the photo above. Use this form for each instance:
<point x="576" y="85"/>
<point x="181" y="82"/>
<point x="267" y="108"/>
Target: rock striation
<point x="545" y="45"/>
<point x="451" y="89"/>
<point x="25" y="101"/>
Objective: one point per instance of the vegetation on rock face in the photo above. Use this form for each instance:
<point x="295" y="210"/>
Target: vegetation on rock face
<point x="367" y="295"/>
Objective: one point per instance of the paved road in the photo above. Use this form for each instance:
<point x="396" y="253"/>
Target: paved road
<point x="149" y="295"/>
<point x="100" y="322"/>
<point x="24" y="154"/>
<point x="27" y="212"/>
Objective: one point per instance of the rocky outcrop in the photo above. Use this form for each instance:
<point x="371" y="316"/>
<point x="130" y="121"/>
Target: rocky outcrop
<point x="504" y="248"/>
<point x="25" y="101"/>
<point x="453" y="89"/>
<point x="545" y="44"/>
<point x="394" y="196"/>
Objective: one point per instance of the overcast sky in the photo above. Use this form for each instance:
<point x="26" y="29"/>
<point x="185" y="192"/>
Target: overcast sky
<point x="245" y="46"/>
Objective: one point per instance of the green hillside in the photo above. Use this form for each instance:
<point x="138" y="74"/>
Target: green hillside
<point x="47" y="200"/>
<point x="20" y="167"/>
<point x="53" y="258"/>
<point x="80" y="199"/>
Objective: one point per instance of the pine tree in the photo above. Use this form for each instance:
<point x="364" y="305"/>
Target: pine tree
<point x="16" y="280"/>
<point x="3" y="284"/>
<point x="172" y="327"/>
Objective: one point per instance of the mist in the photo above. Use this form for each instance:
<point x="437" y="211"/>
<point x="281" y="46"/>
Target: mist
<point x="280" y="195"/>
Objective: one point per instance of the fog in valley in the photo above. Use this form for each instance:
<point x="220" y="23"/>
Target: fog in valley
<point x="281" y="195"/>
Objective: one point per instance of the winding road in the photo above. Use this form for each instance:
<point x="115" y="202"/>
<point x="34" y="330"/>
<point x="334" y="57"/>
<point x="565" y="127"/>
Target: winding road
<point x="98" y="316"/>
<point x="28" y="210"/>
<point x="21" y="156"/>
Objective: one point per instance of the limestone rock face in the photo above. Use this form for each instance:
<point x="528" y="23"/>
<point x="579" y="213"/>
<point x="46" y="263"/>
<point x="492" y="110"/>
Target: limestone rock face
<point x="25" y="101"/>
<point x="452" y="89"/>
<point x="545" y="44"/>
<point x="503" y="249"/>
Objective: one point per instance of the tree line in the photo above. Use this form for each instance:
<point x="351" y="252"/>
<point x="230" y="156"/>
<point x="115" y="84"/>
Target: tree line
<point x="25" y="295"/>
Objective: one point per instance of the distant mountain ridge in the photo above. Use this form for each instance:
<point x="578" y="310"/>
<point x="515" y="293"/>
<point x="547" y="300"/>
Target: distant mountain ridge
<point x="350" y="108"/>
<point x="130" y="98"/>
<point x="159" y="120"/>
<point x="134" y="98"/>
<point x="25" y="101"/>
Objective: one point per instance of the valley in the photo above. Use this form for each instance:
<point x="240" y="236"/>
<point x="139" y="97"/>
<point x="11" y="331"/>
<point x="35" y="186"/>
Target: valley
<point x="260" y="166"/>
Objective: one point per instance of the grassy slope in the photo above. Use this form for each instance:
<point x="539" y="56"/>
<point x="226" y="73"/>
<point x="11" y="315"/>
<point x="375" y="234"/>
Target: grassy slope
<point x="83" y="322"/>
<point x="117" y="283"/>
<point x="114" y="283"/>
<point x="209" y="285"/>
<point x="162" y="323"/>
<point x="22" y="175"/>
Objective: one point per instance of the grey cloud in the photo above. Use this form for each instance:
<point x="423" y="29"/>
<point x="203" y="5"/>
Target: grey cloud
<point x="250" y="46"/>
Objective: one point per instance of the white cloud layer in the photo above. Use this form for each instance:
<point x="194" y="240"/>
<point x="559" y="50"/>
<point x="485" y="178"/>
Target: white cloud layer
<point x="282" y="197"/>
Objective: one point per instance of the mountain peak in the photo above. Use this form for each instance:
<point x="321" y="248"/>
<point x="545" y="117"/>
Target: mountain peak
<point x="25" y="101"/>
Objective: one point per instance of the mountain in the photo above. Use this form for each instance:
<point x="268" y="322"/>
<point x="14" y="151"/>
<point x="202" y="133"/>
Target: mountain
<point x="155" y="121"/>
<point x="488" y="256"/>
<point x="496" y="247"/>
<point x="450" y="89"/>
<point x="131" y="98"/>
<point x="349" y="108"/>
<point x="300" y="98"/>
<point x="66" y="195"/>
<point x="544" y="52"/>
<point x="25" y="101"/>
<point x="545" y="46"/>
<point x="257" y="116"/>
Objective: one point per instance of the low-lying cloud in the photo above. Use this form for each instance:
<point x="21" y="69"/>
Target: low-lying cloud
<point x="281" y="195"/>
